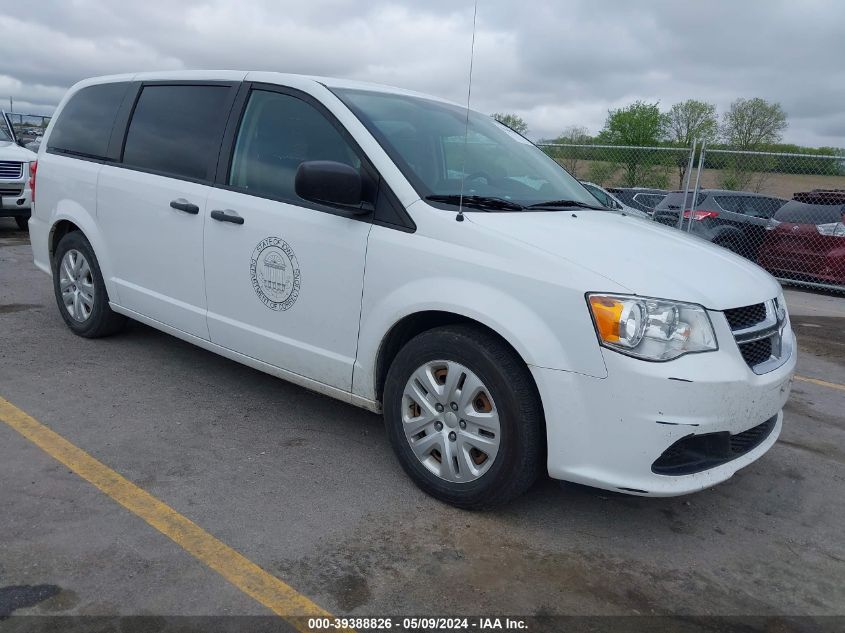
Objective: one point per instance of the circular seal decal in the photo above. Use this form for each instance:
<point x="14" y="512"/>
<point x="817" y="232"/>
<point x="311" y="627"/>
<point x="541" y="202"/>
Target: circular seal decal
<point x="275" y="273"/>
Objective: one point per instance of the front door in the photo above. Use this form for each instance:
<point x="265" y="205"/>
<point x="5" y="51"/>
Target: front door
<point x="284" y="276"/>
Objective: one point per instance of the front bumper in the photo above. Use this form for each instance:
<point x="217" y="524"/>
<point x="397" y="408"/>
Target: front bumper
<point x="17" y="203"/>
<point x="609" y="432"/>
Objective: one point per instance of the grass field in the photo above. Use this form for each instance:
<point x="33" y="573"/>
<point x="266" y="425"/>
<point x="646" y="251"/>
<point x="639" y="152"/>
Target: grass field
<point x="775" y="184"/>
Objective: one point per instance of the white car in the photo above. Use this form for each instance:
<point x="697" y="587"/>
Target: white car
<point x="15" y="161"/>
<point x="358" y="240"/>
<point x="612" y="202"/>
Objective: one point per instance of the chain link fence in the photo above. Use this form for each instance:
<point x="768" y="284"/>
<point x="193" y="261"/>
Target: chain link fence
<point x="783" y="211"/>
<point x="622" y="165"/>
<point x="28" y="128"/>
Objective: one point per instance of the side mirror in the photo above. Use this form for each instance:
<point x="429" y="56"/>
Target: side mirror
<point x="330" y="182"/>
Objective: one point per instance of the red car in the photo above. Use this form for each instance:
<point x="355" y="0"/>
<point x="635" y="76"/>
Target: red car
<point x="806" y="242"/>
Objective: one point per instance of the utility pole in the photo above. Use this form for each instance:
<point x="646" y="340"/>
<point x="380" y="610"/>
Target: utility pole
<point x="11" y="105"/>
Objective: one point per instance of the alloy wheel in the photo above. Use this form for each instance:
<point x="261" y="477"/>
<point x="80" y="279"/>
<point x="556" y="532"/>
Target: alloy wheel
<point x="76" y="282"/>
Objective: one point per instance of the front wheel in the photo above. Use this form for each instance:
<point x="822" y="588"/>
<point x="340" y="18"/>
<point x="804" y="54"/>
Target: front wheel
<point x="464" y="417"/>
<point x="80" y="291"/>
<point x="22" y="222"/>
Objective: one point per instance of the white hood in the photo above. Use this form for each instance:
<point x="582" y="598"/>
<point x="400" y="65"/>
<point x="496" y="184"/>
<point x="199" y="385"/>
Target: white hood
<point x="12" y="151"/>
<point x="645" y="257"/>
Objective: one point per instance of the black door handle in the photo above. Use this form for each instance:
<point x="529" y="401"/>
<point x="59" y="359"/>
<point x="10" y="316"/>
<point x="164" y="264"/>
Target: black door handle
<point x="227" y="215"/>
<point x="181" y="204"/>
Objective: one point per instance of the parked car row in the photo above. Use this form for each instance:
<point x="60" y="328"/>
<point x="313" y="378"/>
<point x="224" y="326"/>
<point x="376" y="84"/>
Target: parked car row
<point x="641" y="198"/>
<point x="610" y="201"/>
<point x="806" y="241"/>
<point x="736" y="220"/>
<point x="801" y="238"/>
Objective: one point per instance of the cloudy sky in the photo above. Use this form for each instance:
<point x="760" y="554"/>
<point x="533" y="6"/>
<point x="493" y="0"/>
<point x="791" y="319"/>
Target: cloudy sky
<point x="554" y="62"/>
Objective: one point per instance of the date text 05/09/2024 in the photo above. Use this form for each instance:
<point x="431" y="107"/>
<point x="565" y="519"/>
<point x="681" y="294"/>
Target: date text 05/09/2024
<point x="417" y="624"/>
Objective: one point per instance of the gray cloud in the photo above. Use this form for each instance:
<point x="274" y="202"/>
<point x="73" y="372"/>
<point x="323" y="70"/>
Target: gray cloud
<point x="556" y="63"/>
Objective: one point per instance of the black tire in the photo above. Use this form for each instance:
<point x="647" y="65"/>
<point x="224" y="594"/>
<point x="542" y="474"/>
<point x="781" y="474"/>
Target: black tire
<point x="102" y="321"/>
<point x="521" y="450"/>
<point x="729" y="244"/>
<point x="22" y="222"/>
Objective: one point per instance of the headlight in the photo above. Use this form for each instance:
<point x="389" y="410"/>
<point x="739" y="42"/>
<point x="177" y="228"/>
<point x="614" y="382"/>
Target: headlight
<point x="651" y="329"/>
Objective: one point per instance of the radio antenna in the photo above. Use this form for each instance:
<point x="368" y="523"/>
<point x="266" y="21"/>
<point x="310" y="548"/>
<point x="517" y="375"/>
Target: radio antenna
<point x="460" y="216"/>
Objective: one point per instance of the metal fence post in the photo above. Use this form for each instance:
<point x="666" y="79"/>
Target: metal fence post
<point x="686" y="184"/>
<point x="697" y="183"/>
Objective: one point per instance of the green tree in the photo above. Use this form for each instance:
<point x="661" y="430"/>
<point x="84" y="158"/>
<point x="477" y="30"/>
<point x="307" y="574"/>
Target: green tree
<point x="686" y="122"/>
<point x="640" y="124"/>
<point x="637" y="124"/>
<point x="513" y="121"/>
<point x="571" y="157"/>
<point x="750" y="124"/>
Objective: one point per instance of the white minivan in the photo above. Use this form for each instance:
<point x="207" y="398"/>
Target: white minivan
<point x="393" y="251"/>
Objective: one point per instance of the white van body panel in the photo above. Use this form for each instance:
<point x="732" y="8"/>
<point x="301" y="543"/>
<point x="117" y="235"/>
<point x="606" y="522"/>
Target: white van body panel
<point x="316" y="334"/>
<point x="463" y="268"/>
<point x="646" y="258"/>
<point x="522" y="275"/>
<point x="68" y="189"/>
<point x="133" y="204"/>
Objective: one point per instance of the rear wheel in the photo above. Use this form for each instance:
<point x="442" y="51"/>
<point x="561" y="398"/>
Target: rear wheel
<point x="464" y="417"/>
<point x="80" y="291"/>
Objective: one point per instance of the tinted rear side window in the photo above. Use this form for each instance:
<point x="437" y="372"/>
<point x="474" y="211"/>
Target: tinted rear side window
<point x="85" y="123"/>
<point x="175" y="130"/>
<point x="758" y="206"/>
<point x="675" y="200"/>
<point x="800" y="213"/>
<point x="649" y="199"/>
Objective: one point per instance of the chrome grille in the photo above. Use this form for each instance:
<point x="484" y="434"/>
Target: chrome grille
<point x="697" y="453"/>
<point x="741" y="318"/>
<point x="758" y="330"/>
<point x="10" y="169"/>
<point x="756" y="352"/>
<point x="11" y="192"/>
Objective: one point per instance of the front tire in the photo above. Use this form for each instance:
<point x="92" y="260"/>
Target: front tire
<point x="80" y="291"/>
<point x="464" y="417"/>
<point x="23" y="222"/>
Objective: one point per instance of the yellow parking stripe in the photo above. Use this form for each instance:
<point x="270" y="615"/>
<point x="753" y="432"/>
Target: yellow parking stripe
<point x="821" y="383"/>
<point x="274" y="594"/>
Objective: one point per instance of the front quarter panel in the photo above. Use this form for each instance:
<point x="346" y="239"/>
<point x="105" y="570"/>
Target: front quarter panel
<point x="532" y="299"/>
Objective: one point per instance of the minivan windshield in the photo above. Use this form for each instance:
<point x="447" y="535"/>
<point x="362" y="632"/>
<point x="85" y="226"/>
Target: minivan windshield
<point x="444" y="154"/>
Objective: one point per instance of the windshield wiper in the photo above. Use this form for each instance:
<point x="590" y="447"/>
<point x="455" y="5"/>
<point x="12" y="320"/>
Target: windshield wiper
<point x="477" y="202"/>
<point x="551" y="204"/>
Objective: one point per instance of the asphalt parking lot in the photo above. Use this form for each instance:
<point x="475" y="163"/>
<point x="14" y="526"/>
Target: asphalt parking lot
<point x="308" y="489"/>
